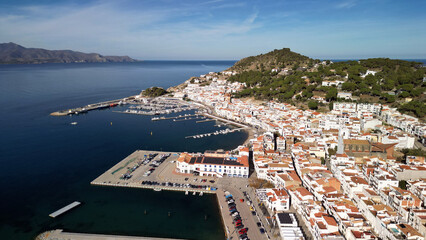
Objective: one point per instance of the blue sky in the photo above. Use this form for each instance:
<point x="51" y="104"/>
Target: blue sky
<point x="220" y="29"/>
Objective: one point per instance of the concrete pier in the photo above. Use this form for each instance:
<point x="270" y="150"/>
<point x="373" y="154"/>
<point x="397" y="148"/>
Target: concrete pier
<point x="64" y="209"/>
<point x="91" y="107"/>
<point x="59" y="234"/>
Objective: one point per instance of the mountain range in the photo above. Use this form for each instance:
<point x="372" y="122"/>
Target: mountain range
<point x="12" y="53"/>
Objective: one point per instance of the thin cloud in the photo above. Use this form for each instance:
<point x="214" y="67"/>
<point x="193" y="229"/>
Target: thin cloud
<point x="120" y="31"/>
<point x="346" y="4"/>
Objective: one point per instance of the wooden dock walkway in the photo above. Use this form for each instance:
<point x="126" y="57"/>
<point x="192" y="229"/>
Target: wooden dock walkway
<point x="207" y="120"/>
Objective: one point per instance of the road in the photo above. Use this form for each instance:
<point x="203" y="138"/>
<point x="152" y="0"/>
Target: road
<point x="236" y="186"/>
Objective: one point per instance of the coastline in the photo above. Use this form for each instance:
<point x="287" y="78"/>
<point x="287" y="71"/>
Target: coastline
<point x="225" y="219"/>
<point x="250" y="135"/>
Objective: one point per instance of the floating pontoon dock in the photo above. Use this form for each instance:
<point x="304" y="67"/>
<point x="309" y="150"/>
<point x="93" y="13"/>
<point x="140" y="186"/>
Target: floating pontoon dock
<point x="64" y="209"/>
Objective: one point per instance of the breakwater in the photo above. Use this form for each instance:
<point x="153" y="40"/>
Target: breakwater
<point x="93" y="106"/>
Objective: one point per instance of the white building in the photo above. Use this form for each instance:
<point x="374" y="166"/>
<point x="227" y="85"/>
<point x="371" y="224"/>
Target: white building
<point x="289" y="229"/>
<point x="213" y="164"/>
<point x="344" y="95"/>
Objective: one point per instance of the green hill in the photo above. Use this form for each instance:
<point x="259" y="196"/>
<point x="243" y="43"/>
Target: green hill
<point x="285" y="76"/>
<point x="277" y="58"/>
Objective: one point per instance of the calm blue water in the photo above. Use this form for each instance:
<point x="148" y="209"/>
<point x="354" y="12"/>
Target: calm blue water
<point x="411" y="60"/>
<point x="46" y="163"/>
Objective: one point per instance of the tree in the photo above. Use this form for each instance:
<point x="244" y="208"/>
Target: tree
<point x="404" y="94"/>
<point x="307" y="94"/>
<point x="349" y="86"/>
<point x="313" y="105"/>
<point x="415" y="107"/>
<point x="331" y="94"/>
<point x="154" y="92"/>
<point x="402" y="184"/>
<point x="390" y="98"/>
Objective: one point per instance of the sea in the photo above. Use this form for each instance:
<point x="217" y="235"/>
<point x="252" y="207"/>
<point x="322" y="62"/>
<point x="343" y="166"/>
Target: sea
<point x="48" y="163"/>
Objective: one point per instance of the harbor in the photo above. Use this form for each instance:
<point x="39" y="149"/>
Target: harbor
<point x="137" y="105"/>
<point x="157" y="106"/>
<point x="146" y="169"/>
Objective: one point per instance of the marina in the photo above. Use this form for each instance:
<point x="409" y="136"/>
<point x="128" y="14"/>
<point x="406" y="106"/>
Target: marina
<point x="157" y="106"/>
<point x="64" y="209"/>
<point x="138" y="105"/>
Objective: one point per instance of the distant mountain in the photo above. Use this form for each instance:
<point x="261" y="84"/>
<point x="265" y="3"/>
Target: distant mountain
<point x="12" y="53"/>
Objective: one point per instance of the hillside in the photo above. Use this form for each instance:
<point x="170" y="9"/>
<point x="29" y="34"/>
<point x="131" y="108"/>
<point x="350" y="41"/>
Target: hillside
<point x="275" y="59"/>
<point x="286" y="76"/>
<point x="11" y="53"/>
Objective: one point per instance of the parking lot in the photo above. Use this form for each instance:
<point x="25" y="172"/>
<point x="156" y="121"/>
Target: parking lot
<point x="153" y="169"/>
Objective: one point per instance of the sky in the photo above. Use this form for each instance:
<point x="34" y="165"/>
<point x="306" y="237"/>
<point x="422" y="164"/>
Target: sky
<point x="219" y="29"/>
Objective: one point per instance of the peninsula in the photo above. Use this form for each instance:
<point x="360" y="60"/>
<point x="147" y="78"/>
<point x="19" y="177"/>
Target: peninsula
<point x="12" y="53"/>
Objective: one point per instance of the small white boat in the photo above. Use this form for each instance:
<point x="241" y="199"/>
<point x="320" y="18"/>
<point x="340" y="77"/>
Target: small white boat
<point x="157" y="189"/>
<point x="74" y="123"/>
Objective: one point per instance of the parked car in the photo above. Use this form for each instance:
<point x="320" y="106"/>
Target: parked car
<point x="243" y="236"/>
<point x="253" y="213"/>
<point x="235" y="214"/>
<point x="259" y="224"/>
<point x="243" y="230"/>
<point x="262" y="230"/>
